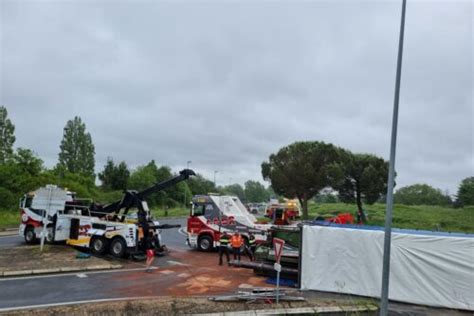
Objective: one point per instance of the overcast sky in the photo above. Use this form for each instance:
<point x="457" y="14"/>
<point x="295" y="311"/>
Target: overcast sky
<point x="226" y="84"/>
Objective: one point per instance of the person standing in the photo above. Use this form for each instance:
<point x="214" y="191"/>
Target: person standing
<point x="236" y="241"/>
<point x="252" y="247"/>
<point x="150" y="251"/>
<point x="224" y="247"/>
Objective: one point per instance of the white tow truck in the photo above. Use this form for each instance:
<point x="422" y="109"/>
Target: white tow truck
<point x="55" y="215"/>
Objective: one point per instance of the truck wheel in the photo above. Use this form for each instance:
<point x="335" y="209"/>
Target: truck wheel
<point x="205" y="243"/>
<point x="30" y="235"/>
<point x="98" y="245"/>
<point x="118" y="247"/>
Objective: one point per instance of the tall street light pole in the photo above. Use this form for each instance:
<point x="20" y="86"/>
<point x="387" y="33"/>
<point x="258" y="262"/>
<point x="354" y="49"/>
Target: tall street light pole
<point x="215" y="172"/>
<point x="187" y="164"/>
<point x="391" y="175"/>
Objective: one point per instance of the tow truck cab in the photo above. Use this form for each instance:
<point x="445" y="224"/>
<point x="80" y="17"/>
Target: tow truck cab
<point x="211" y="215"/>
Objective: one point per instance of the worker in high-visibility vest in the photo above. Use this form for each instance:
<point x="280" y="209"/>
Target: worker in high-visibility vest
<point x="252" y="246"/>
<point x="236" y="242"/>
<point x="224" y="247"/>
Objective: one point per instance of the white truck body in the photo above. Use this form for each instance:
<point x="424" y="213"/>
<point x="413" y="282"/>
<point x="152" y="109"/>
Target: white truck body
<point x="47" y="206"/>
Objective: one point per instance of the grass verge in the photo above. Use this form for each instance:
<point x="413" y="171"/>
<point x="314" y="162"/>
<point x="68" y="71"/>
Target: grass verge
<point x="424" y="217"/>
<point x="9" y="219"/>
<point x="172" y="212"/>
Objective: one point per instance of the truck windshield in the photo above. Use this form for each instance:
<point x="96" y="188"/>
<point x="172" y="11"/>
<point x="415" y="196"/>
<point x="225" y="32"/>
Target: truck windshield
<point x="198" y="210"/>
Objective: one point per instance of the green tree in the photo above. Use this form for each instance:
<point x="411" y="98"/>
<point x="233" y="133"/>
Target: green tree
<point x="23" y="173"/>
<point x="255" y="192"/>
<point x="302" y="169"/>
<point x="27" y="160"/>
<point x="77" y="150"/>
<point x="365" y="180"/>
<point x="234" y="189"/>
<point x="421" y="194"/>
<point x="148" y="175"/>
<point x="465" y="195"/>
<point x="7" y="135"/>
<point x="326" y="195"/>
<point x="200" y="185"/>
<point x="114" y="177"/>
<point x="144" y="177"/>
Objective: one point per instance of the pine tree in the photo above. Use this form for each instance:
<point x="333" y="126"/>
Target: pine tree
<point x="77" y="150"/>
<point x="7" y="137"/>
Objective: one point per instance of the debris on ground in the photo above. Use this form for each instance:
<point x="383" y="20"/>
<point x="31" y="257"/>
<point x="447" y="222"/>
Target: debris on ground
<point x="82" y="255"/>
<point x="189" y="306"/>
<point x="267" y="295"/>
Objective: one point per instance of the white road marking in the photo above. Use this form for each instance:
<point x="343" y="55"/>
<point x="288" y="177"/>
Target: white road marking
<point x="176" y="263"/>
<point x="71" y="274"/>
<point x="81" y="275"/>
<point x="183" y="230"/>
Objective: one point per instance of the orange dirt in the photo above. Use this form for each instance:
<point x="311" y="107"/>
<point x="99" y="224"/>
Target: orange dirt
<point x="189" y="273"/>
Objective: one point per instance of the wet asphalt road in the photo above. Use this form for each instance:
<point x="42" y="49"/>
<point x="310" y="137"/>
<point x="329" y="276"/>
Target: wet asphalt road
<point x="48" y="289"/>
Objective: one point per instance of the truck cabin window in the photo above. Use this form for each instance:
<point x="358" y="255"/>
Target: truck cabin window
<point x="198" y="210"/>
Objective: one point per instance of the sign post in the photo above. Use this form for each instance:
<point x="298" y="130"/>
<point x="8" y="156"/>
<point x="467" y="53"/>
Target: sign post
<point x="278" y="247"/>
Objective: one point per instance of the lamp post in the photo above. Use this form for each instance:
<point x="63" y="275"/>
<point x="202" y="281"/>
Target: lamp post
<point x="391" y="174"/>
<point x="215" y="172"/>
<point x="188" y="163"/>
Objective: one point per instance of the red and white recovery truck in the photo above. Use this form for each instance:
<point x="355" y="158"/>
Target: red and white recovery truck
<point x="211" y="215"/>
<point x="55" y="215"/>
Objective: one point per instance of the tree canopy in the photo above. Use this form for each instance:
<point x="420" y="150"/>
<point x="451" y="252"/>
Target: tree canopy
<point x="365" y="180"/>
<point x="465" y="194"/>
<point x="233" y="189"/>
<point x="302" y="169"/>
<point x="77" y="150"/>
<point x="421" y="194"/>
<point x="200" y="185"/>
<point x="255" y="192"/>
<point x="114" y="177"/>
<point x="7" y="135"/>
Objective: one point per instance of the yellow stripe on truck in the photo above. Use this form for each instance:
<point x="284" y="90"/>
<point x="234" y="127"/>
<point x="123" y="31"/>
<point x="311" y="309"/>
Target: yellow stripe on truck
<point x="78" y="242"/>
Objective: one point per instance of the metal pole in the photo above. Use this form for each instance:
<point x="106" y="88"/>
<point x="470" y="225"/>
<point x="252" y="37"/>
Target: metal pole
<point x="391" y="174"/>
<point x="45" y="218"/>
<point x="215" y="172"/>
<point x="278" y="288"/>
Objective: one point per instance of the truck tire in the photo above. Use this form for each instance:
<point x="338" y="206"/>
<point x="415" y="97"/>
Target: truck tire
<point x="205" y="243"/>
<point x="118" y="247"/>
<point x="98" y="245"/>
<point x="30" y="235"/>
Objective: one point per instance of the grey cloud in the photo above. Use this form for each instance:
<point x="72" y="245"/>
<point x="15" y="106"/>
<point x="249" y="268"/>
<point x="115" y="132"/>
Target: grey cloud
<point x="227" y="84"/>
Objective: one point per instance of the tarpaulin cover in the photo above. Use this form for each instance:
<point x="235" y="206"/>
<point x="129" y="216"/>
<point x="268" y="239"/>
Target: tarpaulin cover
<point x="434" y="270"/>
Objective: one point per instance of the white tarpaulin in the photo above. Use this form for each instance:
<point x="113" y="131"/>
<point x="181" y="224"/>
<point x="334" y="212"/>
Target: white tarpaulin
<point x="427" y="269"/>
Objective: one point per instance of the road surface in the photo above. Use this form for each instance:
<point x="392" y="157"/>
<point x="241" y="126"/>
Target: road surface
<point x="57" y="288"/>
<point x="194" y="270"/>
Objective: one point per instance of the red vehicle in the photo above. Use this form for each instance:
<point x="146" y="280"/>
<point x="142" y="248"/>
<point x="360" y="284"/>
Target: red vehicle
<point x="211" y="215"/>
<point x="283" y="213"/>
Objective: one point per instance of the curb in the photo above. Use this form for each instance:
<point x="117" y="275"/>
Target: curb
<point x="8" y="232"/>
<point x="8" y="228"/>
<point x="58" y="270"/>
<point x="298" y="311"/>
